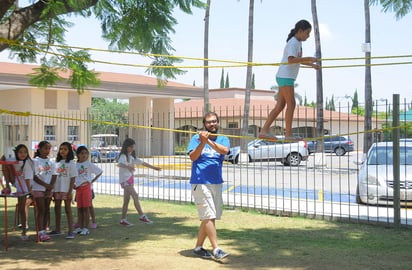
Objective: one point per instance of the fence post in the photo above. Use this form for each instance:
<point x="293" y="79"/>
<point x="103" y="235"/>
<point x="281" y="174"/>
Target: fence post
<point x="396" y="162"/>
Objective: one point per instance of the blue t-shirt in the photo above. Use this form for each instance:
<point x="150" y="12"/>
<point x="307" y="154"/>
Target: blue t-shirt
<point x="207" y="169"/>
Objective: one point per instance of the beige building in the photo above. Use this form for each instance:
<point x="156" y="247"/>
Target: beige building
<point x="59" y="114"/>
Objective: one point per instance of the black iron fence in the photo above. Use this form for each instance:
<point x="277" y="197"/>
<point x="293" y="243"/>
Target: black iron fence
<point x="325" y="185"/>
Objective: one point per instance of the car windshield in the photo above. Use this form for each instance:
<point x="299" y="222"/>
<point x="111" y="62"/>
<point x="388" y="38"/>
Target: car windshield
<point x="383" y="155"/>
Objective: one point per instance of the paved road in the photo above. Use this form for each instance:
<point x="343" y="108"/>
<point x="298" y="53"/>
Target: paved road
<point x="325" y="185"/>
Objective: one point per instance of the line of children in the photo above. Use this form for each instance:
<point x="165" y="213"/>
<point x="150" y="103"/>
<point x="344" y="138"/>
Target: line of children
<point x="44" y="180"/>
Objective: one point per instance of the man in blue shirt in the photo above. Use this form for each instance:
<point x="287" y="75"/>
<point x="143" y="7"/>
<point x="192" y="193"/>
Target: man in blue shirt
<point x="207" y="150"/>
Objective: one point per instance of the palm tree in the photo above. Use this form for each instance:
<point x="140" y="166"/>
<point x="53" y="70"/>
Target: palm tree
<point x="367" y="138"/>
<point x="206" y="106"/>
<point x="245" y="124"/>
<point x="400" y="7"/>
<point x="319" y="80"/>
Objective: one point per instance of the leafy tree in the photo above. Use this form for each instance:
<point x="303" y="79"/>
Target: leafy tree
<point x="227" y="84"/>
<point x="222" y="79"/>
<point x="355" y="100"/>
<point x="400" y="7"/>
<point x="253" y="82"/>
<point x="332" y="104"/>
<point x="129" y="25"/>
<point x="359" y="111"/>
<point x="106" y="110"/>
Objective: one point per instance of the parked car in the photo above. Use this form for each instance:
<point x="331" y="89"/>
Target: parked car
<point x="104" y="148"/>
<point x="288" y="153"/>
<point x="375" y="178"/>
<point x="105" y="155"/>
<point x="339" y="145"/>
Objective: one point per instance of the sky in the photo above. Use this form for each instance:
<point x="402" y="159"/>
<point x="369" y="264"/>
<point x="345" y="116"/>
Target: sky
<point x="342" y="28"/>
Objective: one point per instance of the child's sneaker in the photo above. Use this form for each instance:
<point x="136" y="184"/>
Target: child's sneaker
<point x="43" y="236"/>
<point x="201" y="252"/>
<point x="145" y="219"/>
<point x="93" y="226"/>
<point x="85" y="231"/>
<point x="125" y="223"/>
<point x="219" y="254"/>
<point x="77" y="230"/>
<point x="70" y="235"/>
<point x="54" y="233"/>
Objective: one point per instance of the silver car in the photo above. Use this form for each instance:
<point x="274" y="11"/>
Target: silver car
<point x="288" y="153"/>
<point x="376" y="181"/>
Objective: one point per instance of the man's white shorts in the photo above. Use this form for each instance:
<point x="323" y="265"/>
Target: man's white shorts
<point x="208" y="200"/>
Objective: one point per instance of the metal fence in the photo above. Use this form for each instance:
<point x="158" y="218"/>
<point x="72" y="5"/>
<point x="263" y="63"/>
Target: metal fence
<point x="324" y="186"/>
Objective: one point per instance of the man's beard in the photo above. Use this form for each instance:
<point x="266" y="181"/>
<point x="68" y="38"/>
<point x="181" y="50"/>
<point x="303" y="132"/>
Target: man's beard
<point x="212" y="131"/>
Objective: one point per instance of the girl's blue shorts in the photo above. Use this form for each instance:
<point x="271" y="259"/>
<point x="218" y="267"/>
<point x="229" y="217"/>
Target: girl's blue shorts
<point x="285" y="82"/>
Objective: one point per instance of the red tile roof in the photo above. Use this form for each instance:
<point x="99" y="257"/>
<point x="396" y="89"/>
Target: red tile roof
<point x="24" y="69"/>
<point x="259" y="108"/>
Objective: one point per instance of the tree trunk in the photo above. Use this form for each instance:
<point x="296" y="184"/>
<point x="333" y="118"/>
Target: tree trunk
<point x="319" y="81"/>
<point x="206" y="106"/>
<point x="367" y="139"/>
<point x="245" y="125"/>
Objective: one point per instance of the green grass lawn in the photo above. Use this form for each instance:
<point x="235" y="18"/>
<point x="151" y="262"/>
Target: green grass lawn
<point x="254" y="240"/>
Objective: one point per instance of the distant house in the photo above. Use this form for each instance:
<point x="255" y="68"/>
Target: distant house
<point x="229" y="104"/>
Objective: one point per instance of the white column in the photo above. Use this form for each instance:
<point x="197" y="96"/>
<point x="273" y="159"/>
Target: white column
<point x="139" y="115"/>
<point x="163" y="118"/>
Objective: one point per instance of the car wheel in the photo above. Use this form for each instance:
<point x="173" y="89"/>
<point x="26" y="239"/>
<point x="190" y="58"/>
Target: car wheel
<point x="293" y="159"/>
<point x="236" y="160"/>
<point x="340" y="151"/>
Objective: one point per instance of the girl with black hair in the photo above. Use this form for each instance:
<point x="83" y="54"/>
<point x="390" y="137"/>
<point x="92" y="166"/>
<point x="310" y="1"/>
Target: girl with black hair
<point x="42" y="186"/>
<point x="126" y="162"/>
<point x="286" y="76"/>
<point x="66" y="173"/>
<point x="21" y="175"/>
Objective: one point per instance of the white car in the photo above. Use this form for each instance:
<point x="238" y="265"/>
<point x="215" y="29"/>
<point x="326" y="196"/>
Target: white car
<point x="375" y="179"/>
<point x="288" y="153"/>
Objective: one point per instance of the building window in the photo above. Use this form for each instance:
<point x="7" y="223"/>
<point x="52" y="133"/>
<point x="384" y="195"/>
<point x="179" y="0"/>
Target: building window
<point x="26" y="132"/>
<point x="9" y="132"/>
<point x="233" y="125"/>
<point x="50" y="99"/>
<point x="73" y="101"/>
<point x="49" y="133"/>
<point x="73" y="133"/>
<point x="17" y="132"/>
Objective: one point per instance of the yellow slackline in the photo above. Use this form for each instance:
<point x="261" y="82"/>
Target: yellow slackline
<point x="27" y="114"/>
<point x="228" y="63"/>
